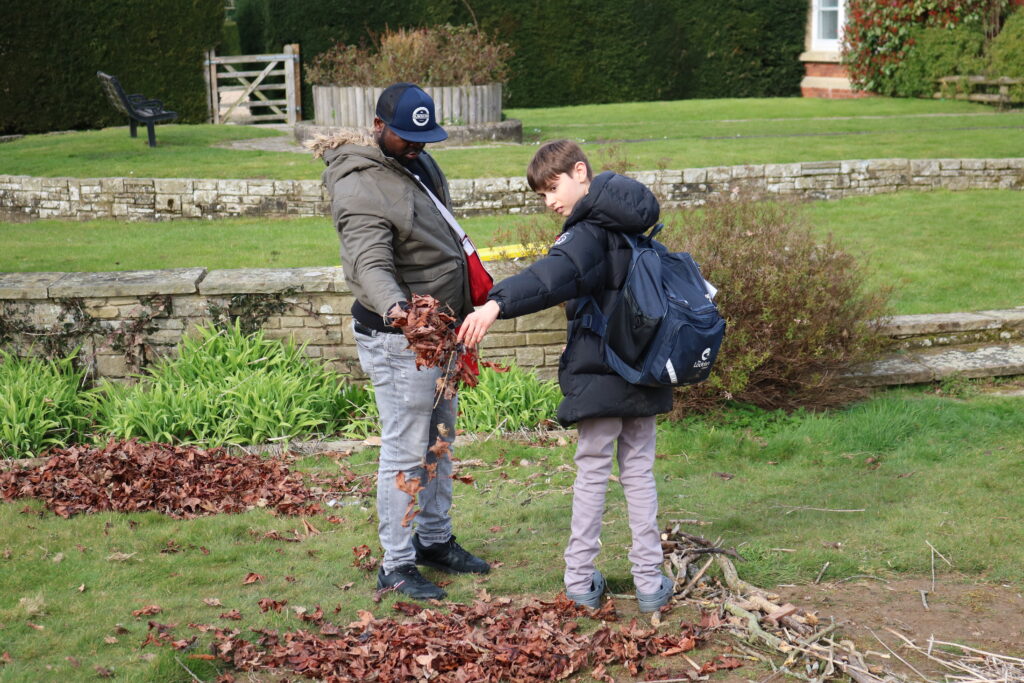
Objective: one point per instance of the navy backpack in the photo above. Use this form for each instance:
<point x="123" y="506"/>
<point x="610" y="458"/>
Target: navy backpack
<point x="663" y="329"/>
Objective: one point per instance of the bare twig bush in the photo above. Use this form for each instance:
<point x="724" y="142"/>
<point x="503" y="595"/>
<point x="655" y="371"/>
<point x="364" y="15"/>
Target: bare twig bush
<point x="798" y="308"/>
<point x="437" y="56"/>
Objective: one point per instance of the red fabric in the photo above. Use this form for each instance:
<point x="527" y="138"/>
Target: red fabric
<point x="480" y="281"/>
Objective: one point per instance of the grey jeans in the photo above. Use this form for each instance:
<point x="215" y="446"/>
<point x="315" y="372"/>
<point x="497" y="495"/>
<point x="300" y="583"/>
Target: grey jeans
<point x="409" y="420"/>
<point x="635" y="455"/>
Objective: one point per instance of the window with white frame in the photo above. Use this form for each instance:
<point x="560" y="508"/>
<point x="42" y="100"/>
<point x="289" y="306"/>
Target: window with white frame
<point x="827" y="19"/>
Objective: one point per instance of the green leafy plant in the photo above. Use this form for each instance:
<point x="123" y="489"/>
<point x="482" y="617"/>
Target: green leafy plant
<point x="40" y="404"/>
<point x="507" y="401"/>
<point x="878" y="33"/>
<point x="442" y="55"/>
<point x="229" y="387"/>
<point x="1006" y="53"/>
<point x="797" y="307"/>
<point x="936" y="52"/>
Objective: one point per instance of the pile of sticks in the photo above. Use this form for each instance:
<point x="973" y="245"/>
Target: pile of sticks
<point x="767" y="630"/>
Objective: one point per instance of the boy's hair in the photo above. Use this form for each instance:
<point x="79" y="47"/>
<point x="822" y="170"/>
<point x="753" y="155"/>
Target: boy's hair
<point x="552" y="159"/>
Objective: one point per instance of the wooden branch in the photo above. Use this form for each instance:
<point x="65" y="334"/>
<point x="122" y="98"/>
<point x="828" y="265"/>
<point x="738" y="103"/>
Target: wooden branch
<point x="754" y="627"/>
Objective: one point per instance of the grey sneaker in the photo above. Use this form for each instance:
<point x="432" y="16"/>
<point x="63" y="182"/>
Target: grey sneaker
<point x="652" y="602"/>
<point x="591" y="598"/>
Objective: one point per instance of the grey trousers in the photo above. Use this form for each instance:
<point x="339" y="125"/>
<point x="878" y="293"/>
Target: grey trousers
<point x="409" y="420"/>
<point x="635" y="455"/>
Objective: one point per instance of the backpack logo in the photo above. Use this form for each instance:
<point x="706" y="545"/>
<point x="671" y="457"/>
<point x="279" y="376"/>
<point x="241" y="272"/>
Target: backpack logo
<point x="663" y="328"/>
<point x="421" y="116"/>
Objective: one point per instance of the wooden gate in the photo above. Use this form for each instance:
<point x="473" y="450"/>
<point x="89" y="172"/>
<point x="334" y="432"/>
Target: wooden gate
<point x="238" y="84"/>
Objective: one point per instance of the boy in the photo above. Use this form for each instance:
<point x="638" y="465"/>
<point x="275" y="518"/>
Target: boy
<point x="591" y="257"/>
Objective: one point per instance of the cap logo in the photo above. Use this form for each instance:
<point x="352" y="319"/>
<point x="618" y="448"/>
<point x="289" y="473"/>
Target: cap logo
<point x="421" y="116"/>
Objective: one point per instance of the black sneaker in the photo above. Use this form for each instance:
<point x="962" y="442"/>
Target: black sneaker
<point x="449" y="557"/>
<point x="408" y="580"/>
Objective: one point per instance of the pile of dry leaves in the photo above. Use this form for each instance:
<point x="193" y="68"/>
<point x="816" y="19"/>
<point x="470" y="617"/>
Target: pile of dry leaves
<point x="490" y="640"/>
<point x="179" y="481"/>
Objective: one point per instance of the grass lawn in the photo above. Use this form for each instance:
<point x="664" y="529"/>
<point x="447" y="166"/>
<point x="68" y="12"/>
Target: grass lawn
<point x="913" y="466"/>
<point x="645" y="135"/>
<point x="943" y="251"/>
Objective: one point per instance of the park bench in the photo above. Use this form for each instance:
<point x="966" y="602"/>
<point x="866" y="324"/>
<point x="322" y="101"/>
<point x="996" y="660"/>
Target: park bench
<point x="137" y="108"/>
<point x="964" y="87"/>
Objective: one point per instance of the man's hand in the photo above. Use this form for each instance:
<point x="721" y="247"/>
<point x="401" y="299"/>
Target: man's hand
<point x="476" y="324"/>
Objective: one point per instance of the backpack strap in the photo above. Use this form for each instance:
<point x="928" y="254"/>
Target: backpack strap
<point x="593" y="319"/>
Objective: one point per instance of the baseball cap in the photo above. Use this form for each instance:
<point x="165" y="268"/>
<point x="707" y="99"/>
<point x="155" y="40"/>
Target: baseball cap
<point x="409" y="112"/>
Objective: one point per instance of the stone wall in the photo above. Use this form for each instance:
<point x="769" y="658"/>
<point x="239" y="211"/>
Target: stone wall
<point x="125" y="320"/>
<point x="29" y="198"/>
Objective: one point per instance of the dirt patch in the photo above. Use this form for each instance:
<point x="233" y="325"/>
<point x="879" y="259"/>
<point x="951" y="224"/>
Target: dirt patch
<point x="985" y="616"/>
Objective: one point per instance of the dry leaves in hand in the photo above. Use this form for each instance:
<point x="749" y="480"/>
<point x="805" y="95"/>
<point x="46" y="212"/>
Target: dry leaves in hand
<point x="180" y="481"/>
<point x="430" y="332"/>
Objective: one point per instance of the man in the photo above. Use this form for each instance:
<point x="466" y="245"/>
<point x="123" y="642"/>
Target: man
<point x="387" y="196"/>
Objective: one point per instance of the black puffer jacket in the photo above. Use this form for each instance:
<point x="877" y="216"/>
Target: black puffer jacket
<point x="590" y="257"/>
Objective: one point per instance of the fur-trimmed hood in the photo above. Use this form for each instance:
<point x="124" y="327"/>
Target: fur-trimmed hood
<point x="322" y="144"/>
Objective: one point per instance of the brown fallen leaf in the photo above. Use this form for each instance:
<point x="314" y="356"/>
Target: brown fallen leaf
<point x="110" y="640"/>
<point x="234" y="615"/>
<point x="73" y="662"/>
<point x="725" y="475"/>
<point x="58" y="558"/>
<point x="6" y="657"/>
<point x="310" y="529"/>
<point x="119" y="628"/>
<point x="35" y="626"/>
<point x="213" y="602"/>
<point x="251" y="577"/>
<point x="205" y="658"/>
<point x="81" y="588"/>
<point x="146" y="611"/>
<point x="104" y="672"/>
<point x="267" y="604"/>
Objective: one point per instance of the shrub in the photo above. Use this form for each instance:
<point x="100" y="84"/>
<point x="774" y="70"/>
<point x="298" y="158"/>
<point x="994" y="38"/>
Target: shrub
<point x="40" y="405"/>
<point x="937" y="52"/>
<point x="1007" y="50"/>
<point x="444" y="55"/>
<point x="796" y="305"/>
<point x="507" y="401"/>
<point x="877" y="32"/>
<point x="228" y="387"/>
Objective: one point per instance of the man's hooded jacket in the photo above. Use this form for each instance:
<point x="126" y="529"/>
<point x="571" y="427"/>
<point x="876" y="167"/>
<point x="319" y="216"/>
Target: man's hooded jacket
<point x="394" y="240"/>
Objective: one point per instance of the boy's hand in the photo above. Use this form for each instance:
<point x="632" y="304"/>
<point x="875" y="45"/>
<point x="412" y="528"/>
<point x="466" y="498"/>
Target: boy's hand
<point x="476" y="324"/>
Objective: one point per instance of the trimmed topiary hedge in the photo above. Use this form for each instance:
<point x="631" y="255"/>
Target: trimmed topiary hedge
<point x="50" y="53"/>
<point x="573" y="52"/>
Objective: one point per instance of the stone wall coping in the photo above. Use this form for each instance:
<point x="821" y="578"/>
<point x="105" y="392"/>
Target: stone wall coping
<point x="933" y="323"/>
<point x="27" y="285"/>
<point x="743" y="170"/>
<point x="273" y="280"/>
<point x="128" y="283"/>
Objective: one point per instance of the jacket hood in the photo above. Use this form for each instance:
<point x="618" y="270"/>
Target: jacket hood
<point x="328" y="147"/>
<point x="616" y="202"/>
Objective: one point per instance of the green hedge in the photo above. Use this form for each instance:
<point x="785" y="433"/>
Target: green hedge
<point x="50" y="53"/>
<point x="575" y="51"/>
<point x="742" y="48"/>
